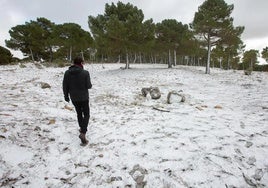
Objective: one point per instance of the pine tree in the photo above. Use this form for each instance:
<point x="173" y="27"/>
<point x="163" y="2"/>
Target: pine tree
<point x="71" y="39"/>
<point x="21" y="39"/>
<point x="211" y="23"/>
<point x="250" y="59"/>
<point x="5" y="56"/>
<point x="264" y="53"/>
<point x="121" y="31"/>
<point x="42" y="38"/>
<point x="170" y="36"/>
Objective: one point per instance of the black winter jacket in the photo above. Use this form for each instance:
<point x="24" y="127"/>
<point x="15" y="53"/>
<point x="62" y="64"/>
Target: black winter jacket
<point x="76" y="83"/>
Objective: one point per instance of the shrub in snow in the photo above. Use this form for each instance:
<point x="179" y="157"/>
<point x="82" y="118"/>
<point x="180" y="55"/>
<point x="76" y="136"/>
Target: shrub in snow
<point x="248" y="71"/>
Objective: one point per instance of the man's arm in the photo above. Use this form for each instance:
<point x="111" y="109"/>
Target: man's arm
<point x="89" y="85"/>
<point x="65" y="87"/>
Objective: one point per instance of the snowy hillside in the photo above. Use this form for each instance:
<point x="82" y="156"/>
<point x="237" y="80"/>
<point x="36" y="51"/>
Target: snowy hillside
<point x="217" y="138"/>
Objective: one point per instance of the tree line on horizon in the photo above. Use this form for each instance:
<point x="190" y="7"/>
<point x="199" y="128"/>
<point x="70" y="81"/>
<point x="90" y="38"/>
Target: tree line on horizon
<point x="122" y="35"/>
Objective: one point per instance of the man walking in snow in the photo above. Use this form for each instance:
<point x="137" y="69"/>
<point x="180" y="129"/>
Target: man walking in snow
<point x="76" y="83"/>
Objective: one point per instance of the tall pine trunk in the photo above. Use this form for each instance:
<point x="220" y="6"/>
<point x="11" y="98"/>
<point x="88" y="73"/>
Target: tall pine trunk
<point x="127" y="61"/>
<point x="228" y="62"/>
<point x="70" y="54"/>
<point x="82" y="55"/>
<point x="32" y="54"/>
<point x="169" y="59"/>
<point x="135" y="58"/>
<point x="175" y="58"/>
<point x="119" y="59"/>
<point x="208" y="60"/>
<point x="50" y="54"/>
<point x="220" y="63"/>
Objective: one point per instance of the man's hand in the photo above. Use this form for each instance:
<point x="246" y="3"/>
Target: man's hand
<point x="66" y="98"/>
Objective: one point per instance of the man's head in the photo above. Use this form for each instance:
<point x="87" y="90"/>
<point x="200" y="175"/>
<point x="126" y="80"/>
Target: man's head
<point x="78" y="61"/>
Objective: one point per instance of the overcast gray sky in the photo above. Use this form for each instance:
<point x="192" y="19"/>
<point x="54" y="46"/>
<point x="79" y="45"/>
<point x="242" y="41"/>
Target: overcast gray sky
<point x="251" y="14"/>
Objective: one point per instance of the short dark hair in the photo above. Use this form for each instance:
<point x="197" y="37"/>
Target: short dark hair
<point x="78" y="60"/>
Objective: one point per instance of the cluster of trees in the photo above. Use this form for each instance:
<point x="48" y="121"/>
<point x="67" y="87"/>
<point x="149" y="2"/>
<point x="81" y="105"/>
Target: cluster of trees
<point x="121" y="30"/>
<point x="45" y="40"/>
<point x="122" y="35"/>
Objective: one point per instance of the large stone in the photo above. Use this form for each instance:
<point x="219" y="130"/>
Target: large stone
<point x="145" y="91"/>
<point x="138" y="173"/>
<point x="180" y="97"/>
<point x="45" y="85"/>
<point x="153" y="91"/>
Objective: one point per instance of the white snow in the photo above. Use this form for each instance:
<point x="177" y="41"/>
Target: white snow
<point x="217" y="138"/>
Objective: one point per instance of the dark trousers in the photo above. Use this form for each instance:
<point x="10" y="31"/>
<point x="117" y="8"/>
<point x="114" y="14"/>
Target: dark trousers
<point x="82" y="110"/>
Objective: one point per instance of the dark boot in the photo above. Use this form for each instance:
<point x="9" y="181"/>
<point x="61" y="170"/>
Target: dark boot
<point x="83" y="139"/>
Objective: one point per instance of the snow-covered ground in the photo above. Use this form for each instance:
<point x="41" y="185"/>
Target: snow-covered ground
<point x="217" y="138"/>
